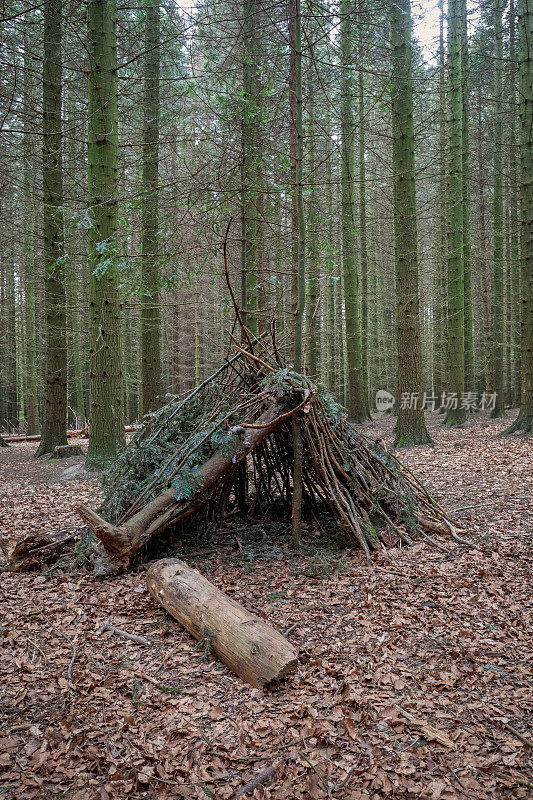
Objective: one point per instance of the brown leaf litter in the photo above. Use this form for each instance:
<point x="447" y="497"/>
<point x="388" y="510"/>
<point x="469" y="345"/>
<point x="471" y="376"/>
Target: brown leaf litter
<point x="414" y="679"/>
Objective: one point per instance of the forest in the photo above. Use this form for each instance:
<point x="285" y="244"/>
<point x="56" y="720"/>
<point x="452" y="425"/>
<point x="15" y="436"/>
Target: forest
<point x="266" y="399"/>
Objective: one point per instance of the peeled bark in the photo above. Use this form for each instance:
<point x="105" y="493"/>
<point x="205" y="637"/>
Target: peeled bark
<point x="250" y="647"/>
<point x="121" y="543"/>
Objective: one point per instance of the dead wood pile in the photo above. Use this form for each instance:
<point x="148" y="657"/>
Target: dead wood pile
<point x="227" y="448"/>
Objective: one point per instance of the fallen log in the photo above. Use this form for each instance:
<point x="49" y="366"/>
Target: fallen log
<point x="74" y="434"/>
<point x="250" y="647"/>
<point x="120" y="543"/>
<point x="38" y="550"/>
<point x="67" y="450"/>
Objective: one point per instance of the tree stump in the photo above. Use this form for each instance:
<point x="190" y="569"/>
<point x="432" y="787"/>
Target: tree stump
<point x="67" y="450"/>
<point x="250" y="647"/>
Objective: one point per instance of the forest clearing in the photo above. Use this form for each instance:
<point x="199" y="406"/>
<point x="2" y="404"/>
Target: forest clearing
<point x="266" y="399"/>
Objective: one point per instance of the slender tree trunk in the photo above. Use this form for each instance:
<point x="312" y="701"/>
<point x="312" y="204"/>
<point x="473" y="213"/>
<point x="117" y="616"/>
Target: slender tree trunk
<point x="251" y="165"/>
<point x="456" y="295"/>
<point x="54" y="430"/>
<point x="497" y="214"/>
<point x="151" y="382"/>
<point x="298" y="235"/>
<point x="514" y="183"/>
<point x="410" y="426"/>
<point x="440" y="288"/>
<point x="106" y="384"/>
<point x="363" y="248"/>
<point x="524" y="421"/>
<point x="465" y="167"/>
<point x="31" y="405"/>
<point x="357" y="406"/>
<point x="312" y="229"/>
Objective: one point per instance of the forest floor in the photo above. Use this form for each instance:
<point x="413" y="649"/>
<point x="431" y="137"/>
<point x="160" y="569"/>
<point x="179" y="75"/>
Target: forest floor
<point x="413" y="674"/>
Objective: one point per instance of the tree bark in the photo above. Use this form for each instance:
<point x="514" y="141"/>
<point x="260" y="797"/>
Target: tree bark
<point x="151" y="379"/>
<point x="524" y="421"/>
<point x="106" y="385"/>
<point x="455" y="367"/>
<point x="497" y="216"/>
<point x="250" y="647"/>
<point x="410" y="427"/>
<point x="357" y="405"/>
<point x="55" y="393"/>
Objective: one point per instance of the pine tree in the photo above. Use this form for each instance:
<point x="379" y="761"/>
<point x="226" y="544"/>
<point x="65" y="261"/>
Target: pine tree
<point x="356" y="401"/>
<point x="150" y="312"/>
<point x="524" y="421"/>
<point x="31" y="399"/>
<point x="363" y="247"/>
<point x="514" y="179"/>
<point x="465" y="174"/>
<point x="497" y="215"/>
<point x="54" y="431"/>
<point x="410" y="426"/>
<point x="251" y="166"/>
<point x="106" y="384"/>
<point x="455" y="367"/>
<point x="440" y="283"/>
<point x="298" y="238"/>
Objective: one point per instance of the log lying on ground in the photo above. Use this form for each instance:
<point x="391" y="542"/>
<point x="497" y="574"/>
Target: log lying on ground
<point x="39" y="550"/>
<point x="75" y="434"/>
<point x="120" y="543"/>
<point x="250" y="647"/>
<point x="67" y="450"/>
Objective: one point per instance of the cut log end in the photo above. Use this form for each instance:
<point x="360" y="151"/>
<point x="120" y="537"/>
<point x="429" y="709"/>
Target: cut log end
<point x="254" y="650"/>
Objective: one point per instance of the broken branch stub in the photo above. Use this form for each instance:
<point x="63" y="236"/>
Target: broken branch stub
<point x="254" y="650"/>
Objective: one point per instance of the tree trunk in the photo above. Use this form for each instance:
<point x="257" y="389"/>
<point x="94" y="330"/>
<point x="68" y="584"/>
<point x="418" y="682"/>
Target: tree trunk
<point x="465" y="174"/>
<point x="250" y="647"/>
<point x="251" y="165"/>
<point x="31" y="403"/>
<point x="121" y="543"/>
<point x="363" y="238"/>
<point x="514" y="180"/>
<point x="497" y="216"/>
<point x="55" y="394"/>
<point x="455" y="368"/>
<point x="410" y="426"/>
<point x="106" y="385"/>
<point x="524" y="421"/>
<point x="356" y="405"/>
<point x="151" y="385"/>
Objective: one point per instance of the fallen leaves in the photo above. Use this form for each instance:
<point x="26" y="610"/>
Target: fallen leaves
<point x="414" y="673"/>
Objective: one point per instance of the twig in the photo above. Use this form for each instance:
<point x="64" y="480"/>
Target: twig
<point x="523" y="738"/>
<point x="69" y="671"/>
<point x="132" y="637"/>
<point x="265" y="776"/>
<point x="291" y="629"/>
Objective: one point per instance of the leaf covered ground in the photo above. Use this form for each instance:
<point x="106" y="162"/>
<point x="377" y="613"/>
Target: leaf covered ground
<point x="414" y="675"/>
